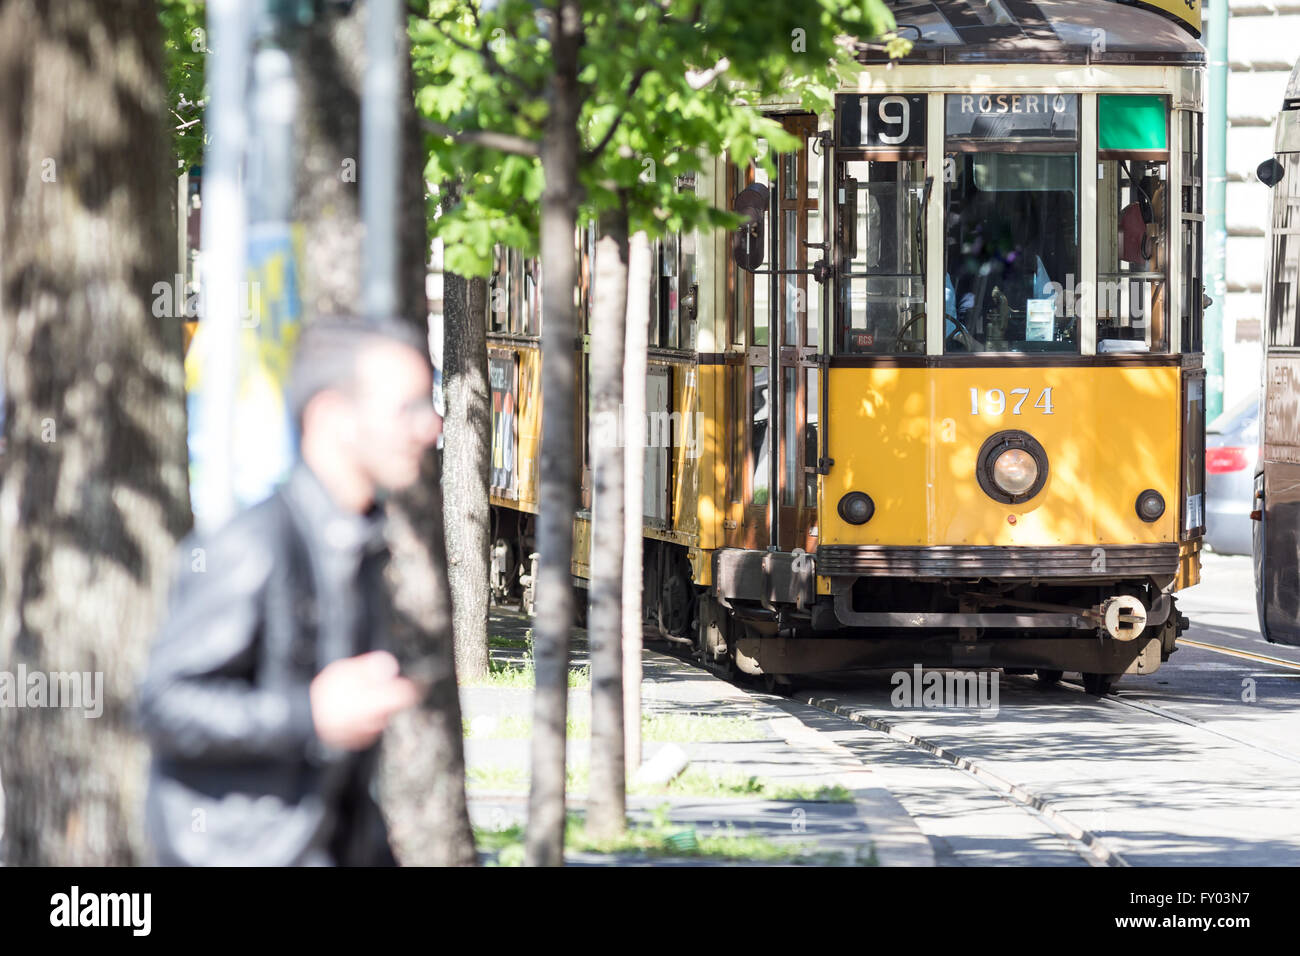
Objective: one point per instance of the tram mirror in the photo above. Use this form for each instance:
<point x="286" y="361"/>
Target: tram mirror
<point x="747" y="243"/>
<point x="1270" y="172"/>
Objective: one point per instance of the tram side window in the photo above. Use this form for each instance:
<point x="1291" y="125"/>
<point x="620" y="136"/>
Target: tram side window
<point x="1012" y="222"/>
<point x="669" y="323"/>
<point x="532" y="298"/>
<point x="499" y="291"/>
<point x="688" y="292"/>
<point x="1192" y="224"/>
<point x="1132" y="256"/>
<point x="881" y="305"/>
<point x="751" y="294"/>
<point x="1132" y="224"/>
<point x="1283" y="289"/>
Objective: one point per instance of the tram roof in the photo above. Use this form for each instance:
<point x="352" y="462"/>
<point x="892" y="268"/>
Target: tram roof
<point x="1042" y="31"/>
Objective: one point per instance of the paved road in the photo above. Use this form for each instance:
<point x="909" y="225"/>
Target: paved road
<point x="1206" y="772"/>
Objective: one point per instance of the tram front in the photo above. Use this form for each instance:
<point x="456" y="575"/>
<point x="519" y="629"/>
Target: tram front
<point x="1010" y="470"/>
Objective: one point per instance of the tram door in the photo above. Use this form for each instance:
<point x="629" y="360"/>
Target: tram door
<point x="782" y="308"/>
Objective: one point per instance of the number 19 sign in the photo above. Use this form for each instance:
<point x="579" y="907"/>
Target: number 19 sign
<point x="881" y="121"/>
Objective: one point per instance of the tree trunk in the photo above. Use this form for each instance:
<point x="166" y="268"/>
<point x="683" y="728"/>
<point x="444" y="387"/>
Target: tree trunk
<point x="95" y="493"/>
<point x="639" y="277"/>
<point x="467" y="462"/>
<point x="423" y="773"/>
<point x="606" y="799"/>
<point x="560" y="197"/>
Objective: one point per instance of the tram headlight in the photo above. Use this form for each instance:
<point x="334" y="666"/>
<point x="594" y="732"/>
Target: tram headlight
<point x="1150" y="505"/>
<point x="1015" y="471"/>
<point x="1011" y="467"/>
<point x="856" y="507"/>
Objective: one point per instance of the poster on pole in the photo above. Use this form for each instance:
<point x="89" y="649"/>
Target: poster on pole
<point x="270" y="319"/>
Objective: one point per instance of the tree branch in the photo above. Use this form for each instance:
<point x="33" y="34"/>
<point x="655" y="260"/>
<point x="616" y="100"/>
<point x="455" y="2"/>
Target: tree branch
<point x="594" y="153"/>
<point x="489" y="139"/>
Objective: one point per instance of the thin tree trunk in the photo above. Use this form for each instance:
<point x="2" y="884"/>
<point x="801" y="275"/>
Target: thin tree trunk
<point x="559" y="156"/>
<point x="467" y="463"/>
<point x="634" y="431"/>
<point x="423" y="772"/>
<point x="94" y="493"/>
<point x="606" y="800"/>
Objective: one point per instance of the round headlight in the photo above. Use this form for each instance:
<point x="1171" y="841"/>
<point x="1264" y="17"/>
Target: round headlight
<point x="1011" y="467"/>
<point x="1015" y="471"/>
<point x="856" y="508"/>
<point x="1150" y="505"/>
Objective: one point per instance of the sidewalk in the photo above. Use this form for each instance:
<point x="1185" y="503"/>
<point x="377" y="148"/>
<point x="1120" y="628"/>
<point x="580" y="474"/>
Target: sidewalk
<point x="763" y="784"/>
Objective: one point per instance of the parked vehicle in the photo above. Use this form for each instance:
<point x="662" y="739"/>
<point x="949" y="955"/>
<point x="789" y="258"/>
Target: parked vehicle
<point x="1231" y="452"/>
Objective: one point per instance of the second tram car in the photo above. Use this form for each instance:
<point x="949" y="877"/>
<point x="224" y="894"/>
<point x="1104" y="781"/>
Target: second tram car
<point x="942" y="400"/>
<point x="1277" y="504"/>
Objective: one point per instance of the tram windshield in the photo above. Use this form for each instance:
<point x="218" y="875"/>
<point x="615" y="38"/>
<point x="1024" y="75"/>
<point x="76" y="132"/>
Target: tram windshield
<point x="1013" y="244"/>
<point x="1012" y="223"/>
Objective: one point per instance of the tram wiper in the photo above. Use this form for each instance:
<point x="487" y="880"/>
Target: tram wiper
<point x="925" y="198"/>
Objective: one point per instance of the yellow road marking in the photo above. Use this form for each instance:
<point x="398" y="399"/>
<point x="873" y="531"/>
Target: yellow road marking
<point x="1245" y="655"/>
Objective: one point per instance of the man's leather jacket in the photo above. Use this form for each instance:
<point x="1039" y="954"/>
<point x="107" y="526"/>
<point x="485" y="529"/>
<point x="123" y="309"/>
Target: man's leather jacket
<point x="255" y="612"/>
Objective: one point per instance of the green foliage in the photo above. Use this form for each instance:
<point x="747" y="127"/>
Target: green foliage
<point x="184" y="45"/>
<point x="665" y="87"/>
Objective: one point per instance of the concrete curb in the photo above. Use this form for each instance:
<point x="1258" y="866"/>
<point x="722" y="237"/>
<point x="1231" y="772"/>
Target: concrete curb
<point x="897" y="839"/>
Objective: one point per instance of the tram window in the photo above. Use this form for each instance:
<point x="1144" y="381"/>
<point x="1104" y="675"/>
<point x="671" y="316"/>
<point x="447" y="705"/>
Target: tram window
<point x="790" y="435"/>
<point x="499" y="292"/>
<point x="1012" y="246"/>
<point x="1192" y="307"/>
<point x="811" y="452"/>
<point x="669" y="323"/>
<point x="736" y="395"/>
<point x="759" y="449"/>
<point x="652" y="333"/>
<point x="1283" y="290"/>
<point x="516" y="293"/>
<point x="1012" y="214"/>
<point x="813" y="304"/>
<point x="532" y="296"/>
<point x="881" y="305"/>
<point x="1132" y="256"/>
<point x="688" y="292"/>
<point x="758" y="288"/>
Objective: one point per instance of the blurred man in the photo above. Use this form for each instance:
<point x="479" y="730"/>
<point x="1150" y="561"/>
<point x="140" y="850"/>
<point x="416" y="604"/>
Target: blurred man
<point x="270" y="683"/>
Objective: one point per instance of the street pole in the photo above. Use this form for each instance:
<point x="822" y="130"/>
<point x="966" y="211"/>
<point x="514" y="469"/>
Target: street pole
<point x="223" y="242"/>
<point x="379" y="160"/>
<point x="639" y="277"/>
<point x="1215" y="226"/>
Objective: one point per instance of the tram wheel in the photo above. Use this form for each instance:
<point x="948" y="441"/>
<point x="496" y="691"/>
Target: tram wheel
<point x="1049" y="678"/>
<point x="1099" y="685"/>
<point x="777" y="683"/>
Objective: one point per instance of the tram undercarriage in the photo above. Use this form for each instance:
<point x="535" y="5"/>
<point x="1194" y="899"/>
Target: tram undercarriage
<point x="761" y="613"/>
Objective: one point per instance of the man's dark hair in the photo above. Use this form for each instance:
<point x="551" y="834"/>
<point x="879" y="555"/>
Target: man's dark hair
<point x="328" y="349"/>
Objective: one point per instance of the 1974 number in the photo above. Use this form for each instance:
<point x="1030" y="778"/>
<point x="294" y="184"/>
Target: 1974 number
<point x="995" y="401"/>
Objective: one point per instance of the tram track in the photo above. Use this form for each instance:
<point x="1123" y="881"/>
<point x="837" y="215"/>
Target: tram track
<point x="1090" y="847"/>
<point x="1087" y="845"/>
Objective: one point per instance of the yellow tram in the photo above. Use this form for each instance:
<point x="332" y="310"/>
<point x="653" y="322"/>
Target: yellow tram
<point x="942" y="400"/>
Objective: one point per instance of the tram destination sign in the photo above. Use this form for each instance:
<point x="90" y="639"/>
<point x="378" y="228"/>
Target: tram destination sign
<point x="884" y="121"/>
<point x="1012" y="116"/>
